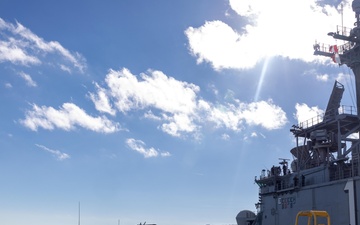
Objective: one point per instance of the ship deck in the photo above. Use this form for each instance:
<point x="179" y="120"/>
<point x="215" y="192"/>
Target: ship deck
<point x="346" y="123"/>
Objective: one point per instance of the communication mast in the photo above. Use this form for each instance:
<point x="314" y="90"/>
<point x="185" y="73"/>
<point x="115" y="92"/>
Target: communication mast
<point x="348" y="53"/>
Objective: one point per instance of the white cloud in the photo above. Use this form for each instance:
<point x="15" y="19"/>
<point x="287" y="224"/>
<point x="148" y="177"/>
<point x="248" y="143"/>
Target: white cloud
<point x="224" y="116"/>
<point x="179" y="123"/>
<point x="154" y="89"/>
<point x="266" y="114"/>
<point x="177" y="106"/>
<point x="317" y="75"/>
<point x="11" y="51"/>
<point x="286" y="28"/>
<point x="172" y="103"/>
<point x="213" y="89"/>
<point x="101" y="101"/>
<point x="218" y="43"/>
<point x="58" y="154"/>
<point x="344" y="78"/>
<point x="252" y="135"/>
<point x="165" y="154"/>
<point x="8" y="85"/>
<point x="262" y="135"/>
<point x="67" y="118"/>
<point x="139" y="146"/>
<point x="19" y="45"/>
<point x="28" y="79"/>
<point x="65" y="68"/>
<point x="307" y="116"/>
<point x="175" y="99"/>
<point x="354" y="136"/>
<point x="323" y="77"/>
<point x="150" y="115"/>
<point x="231" y="116"/>
<point x="225" y="137"/>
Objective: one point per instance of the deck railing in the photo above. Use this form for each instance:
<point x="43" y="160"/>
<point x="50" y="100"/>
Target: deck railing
<point x="350" y="110"/>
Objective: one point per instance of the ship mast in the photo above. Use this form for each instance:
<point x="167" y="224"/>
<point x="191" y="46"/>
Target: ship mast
<point x="349" y="53"/>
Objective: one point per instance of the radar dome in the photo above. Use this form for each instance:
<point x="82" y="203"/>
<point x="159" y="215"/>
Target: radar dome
<point x="244" y="217"/>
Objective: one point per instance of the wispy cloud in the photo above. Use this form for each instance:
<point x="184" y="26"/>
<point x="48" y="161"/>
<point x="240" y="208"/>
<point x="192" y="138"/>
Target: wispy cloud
<point x="101" y="101"/>
<point x="8" y="85"/>
<point x="56" y="153"/>
<point x="19" y="45"/>
<point x="318" y="76"/>
<point x="10" y="51"/>
<point x="344" y="77"/>
<point x="65" y="68"/>
<point x="150" y="115"/>
<point x="68" y="117"/>
<point x="225" y="137"/>
<point x="323" y="77"/>
<point x="139" y="146"/>
<point x="28" y="79"/>
<point x="270" y="31"/>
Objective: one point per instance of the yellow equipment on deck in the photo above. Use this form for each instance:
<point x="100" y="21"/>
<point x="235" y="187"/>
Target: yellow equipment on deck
<point x="313" y="214"/>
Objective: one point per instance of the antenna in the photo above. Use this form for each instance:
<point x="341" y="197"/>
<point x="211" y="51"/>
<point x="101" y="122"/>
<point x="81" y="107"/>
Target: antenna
<point x="348" y="53"/>
<point x="284" y="161"/>
<point x="342" y="19"/>
<point x="79" y="215"/>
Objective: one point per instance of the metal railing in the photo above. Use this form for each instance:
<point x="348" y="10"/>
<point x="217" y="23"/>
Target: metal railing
<point x="351" y="110"/>
<point x="343" y="30"/>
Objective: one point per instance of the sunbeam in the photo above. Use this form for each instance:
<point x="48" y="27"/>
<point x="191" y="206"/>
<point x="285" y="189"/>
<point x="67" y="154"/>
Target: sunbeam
<point x="262" y="76"/>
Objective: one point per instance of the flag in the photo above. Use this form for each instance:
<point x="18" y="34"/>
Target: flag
<point x="333" y="48"/>
<point x="336" y="58"/>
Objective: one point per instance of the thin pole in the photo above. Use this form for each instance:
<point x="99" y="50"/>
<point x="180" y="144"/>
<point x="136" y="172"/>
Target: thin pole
<point x="342" y="20"/>
<point x="79" y="214"/>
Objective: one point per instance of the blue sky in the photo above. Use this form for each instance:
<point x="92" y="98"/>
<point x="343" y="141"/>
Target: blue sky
<point x="157" y="111"/>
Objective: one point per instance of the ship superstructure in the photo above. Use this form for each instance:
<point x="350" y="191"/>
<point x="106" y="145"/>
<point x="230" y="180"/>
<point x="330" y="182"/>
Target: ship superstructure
<point x="325" y="171"/>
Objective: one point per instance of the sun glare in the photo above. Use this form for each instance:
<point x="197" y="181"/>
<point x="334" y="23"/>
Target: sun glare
<point x="261" y="79"/>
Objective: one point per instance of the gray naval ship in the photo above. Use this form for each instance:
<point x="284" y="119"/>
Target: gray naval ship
<point x="325" y="171"/>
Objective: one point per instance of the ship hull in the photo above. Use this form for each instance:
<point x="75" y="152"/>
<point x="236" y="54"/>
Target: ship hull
<point x="338" y="198"/>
